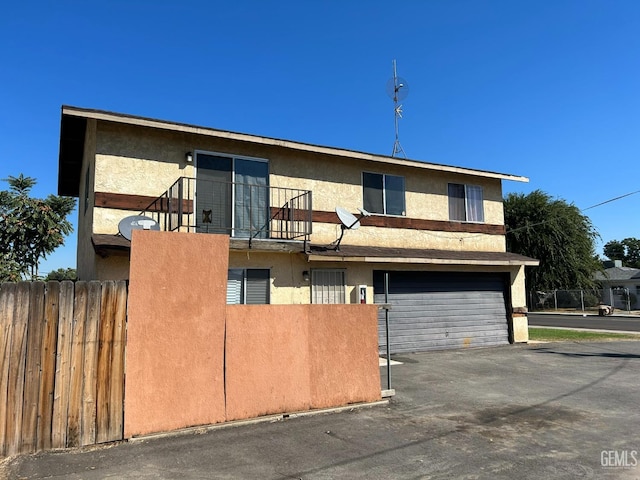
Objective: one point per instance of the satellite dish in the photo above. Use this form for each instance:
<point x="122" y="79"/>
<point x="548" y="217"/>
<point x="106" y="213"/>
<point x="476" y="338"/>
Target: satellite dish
<point x="397" y="88"/>
<point x="349" y="222"/>
<point x="348" y="219"/>
<point x="136" y="222"/>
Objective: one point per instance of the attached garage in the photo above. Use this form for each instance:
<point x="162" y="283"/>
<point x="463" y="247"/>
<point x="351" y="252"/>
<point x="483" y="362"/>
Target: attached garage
<point x="442" y="310"/>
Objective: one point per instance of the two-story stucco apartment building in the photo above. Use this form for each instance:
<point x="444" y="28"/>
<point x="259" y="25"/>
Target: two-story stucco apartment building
<point x="432" y="246"/>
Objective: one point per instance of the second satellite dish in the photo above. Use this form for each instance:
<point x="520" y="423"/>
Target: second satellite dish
<point x="136" y="222"/>
<point x="349" y="222"/>
<point x="348" y="219"/>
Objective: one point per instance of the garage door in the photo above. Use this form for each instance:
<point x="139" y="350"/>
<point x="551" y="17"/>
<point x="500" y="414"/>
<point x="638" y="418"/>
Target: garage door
<point x="438" y="310"/>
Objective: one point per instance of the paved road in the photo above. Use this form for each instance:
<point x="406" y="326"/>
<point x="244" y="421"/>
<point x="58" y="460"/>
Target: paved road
<point x="546" y="411"/>
<point x="613" y="322"/>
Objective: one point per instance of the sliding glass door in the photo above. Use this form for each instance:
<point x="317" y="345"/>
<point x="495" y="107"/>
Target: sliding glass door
<point x="232" y="196"/>
<point x="251" y="216"/>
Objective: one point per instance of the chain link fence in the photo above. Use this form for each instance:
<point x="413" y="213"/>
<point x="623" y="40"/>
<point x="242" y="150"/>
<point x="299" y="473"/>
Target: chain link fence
<point x="583" y="300"/>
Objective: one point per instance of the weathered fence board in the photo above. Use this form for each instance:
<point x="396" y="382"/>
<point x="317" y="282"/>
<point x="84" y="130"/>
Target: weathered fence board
<point x="76" y="372"/>
<point x="116" y="398"/>
<point x="104" y="361"/>
<point x="89" y="392"/>
<point x="35" y="324"/>
<point x="16" y="367"/>
<point x="7" y="297"/>
<point x="61" y="364"/>
<point x="48" y="362"/>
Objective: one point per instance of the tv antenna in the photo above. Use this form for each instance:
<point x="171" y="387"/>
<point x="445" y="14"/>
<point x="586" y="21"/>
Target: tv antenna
<point x="349" y="222"/>
<point x="397" y="89"/>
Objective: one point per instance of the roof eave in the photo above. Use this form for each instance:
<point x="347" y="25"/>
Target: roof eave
<point x="72" y="139"/>
<point x="267" y="141"/>
<point x="421" y="260"/>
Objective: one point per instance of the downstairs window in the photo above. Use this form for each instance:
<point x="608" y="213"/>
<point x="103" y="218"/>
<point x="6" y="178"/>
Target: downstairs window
<point x="248" y="286"/>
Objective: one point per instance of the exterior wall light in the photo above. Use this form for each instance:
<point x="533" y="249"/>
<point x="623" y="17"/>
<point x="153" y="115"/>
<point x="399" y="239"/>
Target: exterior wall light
<point x="305" y="275"/>
<point x="188" y="157"/>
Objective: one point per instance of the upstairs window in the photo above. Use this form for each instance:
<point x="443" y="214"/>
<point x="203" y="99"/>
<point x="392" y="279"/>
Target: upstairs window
<point x="248" y="286"/>
<point x="383" y="194"/>
<point x="466" y="203"/>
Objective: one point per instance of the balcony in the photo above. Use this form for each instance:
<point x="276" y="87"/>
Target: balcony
<point x="240" y="210"/>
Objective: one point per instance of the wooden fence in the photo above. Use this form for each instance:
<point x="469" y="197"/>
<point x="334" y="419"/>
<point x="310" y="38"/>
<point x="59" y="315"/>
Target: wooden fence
<point x="61" y="364"/>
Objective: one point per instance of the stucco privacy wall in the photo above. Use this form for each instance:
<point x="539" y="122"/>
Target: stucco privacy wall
<point x="284" y="358"/>
<point x="175" y="331"/>
<point x="183" y="371"/>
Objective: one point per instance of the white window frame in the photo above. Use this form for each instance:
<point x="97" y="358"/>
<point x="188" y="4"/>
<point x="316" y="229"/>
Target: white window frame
<point x="384" y="193"/>
<point x="467" y="203"/>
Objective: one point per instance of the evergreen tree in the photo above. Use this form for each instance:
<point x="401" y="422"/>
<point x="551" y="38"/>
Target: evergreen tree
<point x="30" y="228"/>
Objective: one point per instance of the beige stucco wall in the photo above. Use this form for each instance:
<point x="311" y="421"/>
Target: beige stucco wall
<point x="113" y="267"/>
<point x="287" y="284"/>
<point x="520" y="328"/>
<point x="289" y="287"/>
<point x="143" y="161"/>
<point x="139" y="161"/>
<point x="325" y="234"/>
<point x="338" y="182"/>
<point x="518" y="291"/>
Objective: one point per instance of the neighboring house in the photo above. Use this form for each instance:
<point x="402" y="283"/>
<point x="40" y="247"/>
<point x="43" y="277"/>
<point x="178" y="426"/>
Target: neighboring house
<point x="620" y="285"/>
<point x="433" y="246"/>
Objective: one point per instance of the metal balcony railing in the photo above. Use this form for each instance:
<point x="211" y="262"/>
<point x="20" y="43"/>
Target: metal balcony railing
<point x="239" y="210"/>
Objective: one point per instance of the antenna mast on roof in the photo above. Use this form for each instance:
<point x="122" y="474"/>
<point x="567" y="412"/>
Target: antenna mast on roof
<point x="397" y="89"/>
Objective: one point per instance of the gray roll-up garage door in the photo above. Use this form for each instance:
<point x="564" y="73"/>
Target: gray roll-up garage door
<point x="440" y="310"/>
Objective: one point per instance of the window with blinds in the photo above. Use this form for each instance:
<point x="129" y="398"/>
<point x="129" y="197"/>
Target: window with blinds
<point x="248" y="286"/>
<point x="328" y="286"/>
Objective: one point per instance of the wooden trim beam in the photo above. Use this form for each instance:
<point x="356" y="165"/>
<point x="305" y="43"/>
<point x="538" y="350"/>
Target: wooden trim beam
<point x="138" y="203"/>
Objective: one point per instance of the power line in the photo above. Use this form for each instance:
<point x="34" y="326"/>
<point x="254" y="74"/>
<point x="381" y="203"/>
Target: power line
<point x="611" y="200"/>
<point x="582" y="210"/>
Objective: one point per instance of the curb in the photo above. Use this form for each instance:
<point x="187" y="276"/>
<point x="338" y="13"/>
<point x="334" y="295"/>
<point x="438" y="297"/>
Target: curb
<point x="199" y="430"/>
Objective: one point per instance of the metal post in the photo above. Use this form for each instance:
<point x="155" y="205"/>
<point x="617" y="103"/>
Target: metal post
<point x="386" y="324"/>
<point x="582" y="299"/>
<point x="180" y="205"/>
<point x="611" y="297"/>
<point x="555" y="298"/>
<point x="628" y="297"/>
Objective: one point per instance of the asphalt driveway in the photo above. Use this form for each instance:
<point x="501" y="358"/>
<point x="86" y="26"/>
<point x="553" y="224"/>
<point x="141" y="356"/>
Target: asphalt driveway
<point x="556" y="410"/>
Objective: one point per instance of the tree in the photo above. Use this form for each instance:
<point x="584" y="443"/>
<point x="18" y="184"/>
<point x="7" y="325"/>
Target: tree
<point x="558" y="235"/>
<point x="614" y="250"/>
<point x="30" y="228"/>
<point x="627" y="250"/>
<point x="62" y="274"/>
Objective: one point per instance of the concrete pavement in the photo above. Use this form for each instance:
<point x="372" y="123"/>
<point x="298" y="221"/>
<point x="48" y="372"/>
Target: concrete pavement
<point x="555" y="410"/>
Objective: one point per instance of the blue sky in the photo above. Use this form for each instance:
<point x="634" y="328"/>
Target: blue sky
<point x="543" y="89"/>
